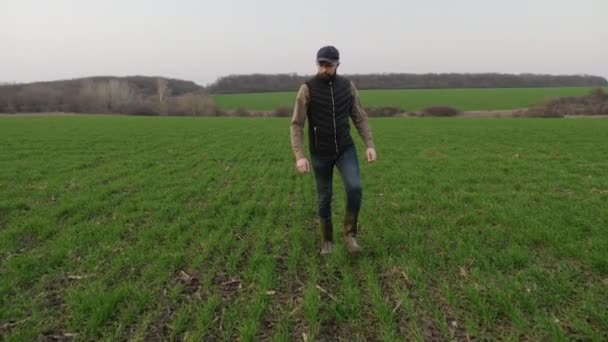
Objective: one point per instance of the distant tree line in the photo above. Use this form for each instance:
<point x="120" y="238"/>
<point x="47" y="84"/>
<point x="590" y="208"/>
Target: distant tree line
<point x="109" y="95"/>
<point x="258" y="83"/>
<point x="141" y="95"/>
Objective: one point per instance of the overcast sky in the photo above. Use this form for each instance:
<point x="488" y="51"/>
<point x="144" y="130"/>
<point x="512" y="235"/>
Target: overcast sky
<point x="202" y="40"/>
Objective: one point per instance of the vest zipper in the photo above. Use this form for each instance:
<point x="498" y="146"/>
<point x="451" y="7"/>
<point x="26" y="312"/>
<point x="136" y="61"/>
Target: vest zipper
<point x="316" y="139"/>
<point x="333" y="111"/>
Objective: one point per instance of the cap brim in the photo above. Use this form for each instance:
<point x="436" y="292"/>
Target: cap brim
<point x="328" y="60"/>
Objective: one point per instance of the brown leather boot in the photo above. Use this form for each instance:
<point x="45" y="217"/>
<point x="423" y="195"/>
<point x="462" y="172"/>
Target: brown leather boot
<point x="350" y="231"/>
<point x="327" y="236"/>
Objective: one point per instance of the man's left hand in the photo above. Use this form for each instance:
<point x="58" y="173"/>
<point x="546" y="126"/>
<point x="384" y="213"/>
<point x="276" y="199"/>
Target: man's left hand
<point x="371" y="155"/>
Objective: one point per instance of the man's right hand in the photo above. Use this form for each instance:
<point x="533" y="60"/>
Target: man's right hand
<point x="303" y="165"/>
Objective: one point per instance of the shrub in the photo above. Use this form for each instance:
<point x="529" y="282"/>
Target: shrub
<point x="440" y="111"/>
<point x="282" y="112"/>
<point x="383" y="111"/>
<point x="593" y="104"/>
<point x="241" y="111"/>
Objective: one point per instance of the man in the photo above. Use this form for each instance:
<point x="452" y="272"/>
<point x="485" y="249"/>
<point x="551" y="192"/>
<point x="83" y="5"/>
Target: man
<point x="328" y="100"/>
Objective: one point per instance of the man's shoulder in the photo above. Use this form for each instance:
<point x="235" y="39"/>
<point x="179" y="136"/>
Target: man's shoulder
<point x="310" y="80"/>
<point x="303" y="90"/>
<point x="303" y="93"/>
<point x="346" y="81"/>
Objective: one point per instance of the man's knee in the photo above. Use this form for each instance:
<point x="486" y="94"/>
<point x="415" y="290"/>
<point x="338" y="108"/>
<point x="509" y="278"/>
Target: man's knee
<point x="324" y="198"/>
<point x="355" y="190"/>
<point x="325" y="209"/>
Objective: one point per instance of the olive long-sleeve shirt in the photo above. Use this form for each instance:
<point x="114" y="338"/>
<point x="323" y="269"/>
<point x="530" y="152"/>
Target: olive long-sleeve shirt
<point x="358" y="117"/>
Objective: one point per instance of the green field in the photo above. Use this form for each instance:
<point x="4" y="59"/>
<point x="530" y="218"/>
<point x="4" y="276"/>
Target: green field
<point x="158" y="228"/>
<point x="416" y="99"/>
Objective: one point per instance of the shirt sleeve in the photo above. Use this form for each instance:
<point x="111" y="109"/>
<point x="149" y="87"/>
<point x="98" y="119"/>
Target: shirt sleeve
<point x="297" y="121"/>
<point x="359" y="118"/>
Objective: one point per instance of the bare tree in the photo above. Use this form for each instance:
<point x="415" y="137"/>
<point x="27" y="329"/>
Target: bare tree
<point x="88" y="99"/>
<point x="163" y="90"/>
<point x="119" y="94"/>
<point x="196" y="105"/>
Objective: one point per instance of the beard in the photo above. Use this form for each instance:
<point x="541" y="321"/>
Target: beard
<point x="325" y="76"/>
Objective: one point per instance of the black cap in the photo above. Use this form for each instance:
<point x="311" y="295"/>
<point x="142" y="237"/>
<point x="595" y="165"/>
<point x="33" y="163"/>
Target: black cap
<point x="328" y="54"/>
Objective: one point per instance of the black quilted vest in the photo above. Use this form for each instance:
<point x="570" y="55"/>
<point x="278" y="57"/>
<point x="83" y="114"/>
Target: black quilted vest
<point x="328" y="112"/>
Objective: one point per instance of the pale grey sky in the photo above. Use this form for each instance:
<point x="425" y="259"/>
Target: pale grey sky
<point x="202" y="40"/>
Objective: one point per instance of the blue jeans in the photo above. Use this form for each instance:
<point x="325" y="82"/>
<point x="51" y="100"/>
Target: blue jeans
<point x="348" y="166"/>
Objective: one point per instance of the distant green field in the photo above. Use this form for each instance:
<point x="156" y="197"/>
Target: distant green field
<point x="200" y="229"/>
<point x="416" y="99"/>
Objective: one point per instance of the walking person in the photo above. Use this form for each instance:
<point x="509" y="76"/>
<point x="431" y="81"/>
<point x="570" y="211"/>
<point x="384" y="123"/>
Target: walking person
<point x="328" y="100"/>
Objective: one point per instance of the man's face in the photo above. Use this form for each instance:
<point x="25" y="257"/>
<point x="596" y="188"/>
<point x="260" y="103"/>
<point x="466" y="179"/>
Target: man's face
<point x="326" y="70"/>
